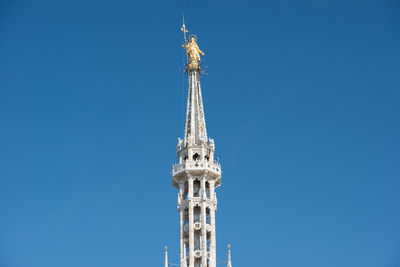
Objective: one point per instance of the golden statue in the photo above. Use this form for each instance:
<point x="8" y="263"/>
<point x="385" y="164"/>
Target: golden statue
<point x="193" y="51"/>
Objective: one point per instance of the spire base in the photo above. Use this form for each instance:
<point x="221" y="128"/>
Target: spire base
<point x="193" y="66"/>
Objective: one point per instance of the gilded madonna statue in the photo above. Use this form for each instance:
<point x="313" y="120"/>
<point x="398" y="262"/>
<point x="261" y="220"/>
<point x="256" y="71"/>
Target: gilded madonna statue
<point x="193" y="52"/>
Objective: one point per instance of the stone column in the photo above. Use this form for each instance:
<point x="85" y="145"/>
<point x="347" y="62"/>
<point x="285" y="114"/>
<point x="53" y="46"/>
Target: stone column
<point x="181" y="232"/>
<point x="203" y="223"/>
<point x="213" y="256"/>
<point x="212" y="188"/>
<point x="184" y="255"/>
<point x="181" y="223"/>
<point x="191" y="222"/>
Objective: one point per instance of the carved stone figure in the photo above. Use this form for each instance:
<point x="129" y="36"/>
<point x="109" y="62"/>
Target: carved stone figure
<point x="179" y="146"/>
<point x="202" y="138"/>
<point x="179" y="199"/>
<point x="212" y="144"/>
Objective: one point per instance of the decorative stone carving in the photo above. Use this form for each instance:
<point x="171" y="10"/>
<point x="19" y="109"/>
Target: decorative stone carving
<point x="179" y="145"/>
<point x="197" y="226"/>
<point x="212" y="145"/>
<point x="179" y="200"/>
<point x="197" y="254"/>
<point x="190" y="141"/>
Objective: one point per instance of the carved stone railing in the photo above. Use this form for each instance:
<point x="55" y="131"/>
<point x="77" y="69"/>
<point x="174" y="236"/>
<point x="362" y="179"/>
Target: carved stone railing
<point x="196" y="165"/>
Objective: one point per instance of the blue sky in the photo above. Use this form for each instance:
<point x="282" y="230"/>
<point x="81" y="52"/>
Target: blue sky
<point x="302" y="99"/>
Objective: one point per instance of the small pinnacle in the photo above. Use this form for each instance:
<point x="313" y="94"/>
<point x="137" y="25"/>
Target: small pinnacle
<point x="229" y="246"/>
<point x="166" y="248"/>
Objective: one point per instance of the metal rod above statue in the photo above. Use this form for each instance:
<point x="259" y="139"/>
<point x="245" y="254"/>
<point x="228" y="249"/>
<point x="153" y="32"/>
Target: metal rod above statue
<point x="192" y="49"/>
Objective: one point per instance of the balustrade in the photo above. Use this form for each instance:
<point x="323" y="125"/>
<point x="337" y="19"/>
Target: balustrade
<point x="194" y="165"/>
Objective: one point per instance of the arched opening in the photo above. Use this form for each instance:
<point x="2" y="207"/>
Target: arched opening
<point x="196" y="188"/>
<point x="196" y="157"/>
<point x="196" y="211"/>
<point x="207" y="189"/>
<point x="185" y="190"/>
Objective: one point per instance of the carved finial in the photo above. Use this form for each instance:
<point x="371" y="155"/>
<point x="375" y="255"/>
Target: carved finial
<point x="166" y="256"/>
<point x="212" y="144"/>
<point x="229" y="256"/>
<point x="179" y="145"/>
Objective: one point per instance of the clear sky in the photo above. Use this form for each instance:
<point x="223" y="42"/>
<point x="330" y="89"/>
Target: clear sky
<point x="301" y="97"/>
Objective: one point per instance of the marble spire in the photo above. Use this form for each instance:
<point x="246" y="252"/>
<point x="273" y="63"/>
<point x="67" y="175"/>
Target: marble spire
<point x="196" y="175"/>
<point x="195" y="127"/>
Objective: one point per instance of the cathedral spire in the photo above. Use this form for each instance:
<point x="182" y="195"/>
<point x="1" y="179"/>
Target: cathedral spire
<point x="196" y="174"/>
<point x="195" y="128"/>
